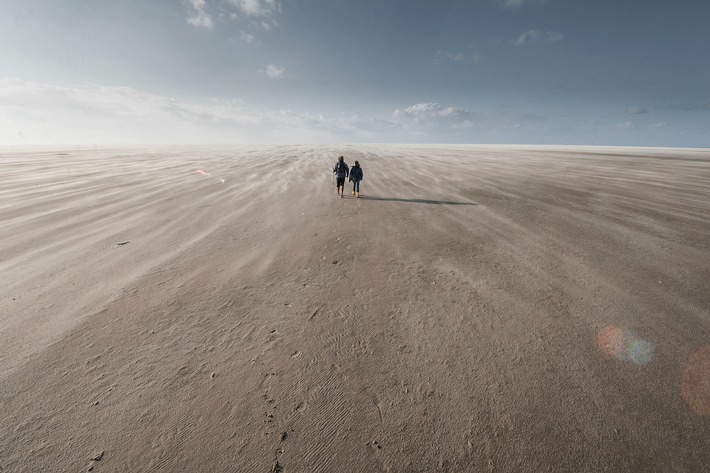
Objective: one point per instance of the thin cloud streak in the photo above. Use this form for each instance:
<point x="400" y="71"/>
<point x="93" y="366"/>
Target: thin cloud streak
<point x="532" y="36"/>
<point x="634" y="110"/>
<point x="448" y="56"/>
<point x="511" y="4"/>
<point x="248" y="38"/>
<point x="32" y="112"/>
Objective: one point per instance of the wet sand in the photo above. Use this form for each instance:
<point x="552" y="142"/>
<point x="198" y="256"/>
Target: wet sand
<point x="479" y="308"/>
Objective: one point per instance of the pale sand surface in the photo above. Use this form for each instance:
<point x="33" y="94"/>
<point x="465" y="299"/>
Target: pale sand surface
<point x="481" y="308"/>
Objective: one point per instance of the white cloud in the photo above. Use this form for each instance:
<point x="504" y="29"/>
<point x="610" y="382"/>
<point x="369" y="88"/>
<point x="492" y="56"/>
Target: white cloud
<point x="199" y="16"/>
<point x="531" y="36"/>
<point x="433" y="117"/>
<point x="430" y="115"/>
<point x="449" y="56"/>
<point x="274" y="72"/>
<point x="199" y="11"/>
<point x="501" y="121"/>
<point x="36" y="113"/>
<point x="256" y="7"/>
<point x="634" y="110"/>
<point x="248" y="38"/>
<point x="197" y="4"/>
<point x="657" y="125"/>
<point x="33" y="113"/>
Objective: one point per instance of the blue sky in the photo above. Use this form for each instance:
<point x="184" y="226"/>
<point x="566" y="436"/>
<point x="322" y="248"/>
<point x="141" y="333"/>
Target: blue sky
<point x="605" y="72"/>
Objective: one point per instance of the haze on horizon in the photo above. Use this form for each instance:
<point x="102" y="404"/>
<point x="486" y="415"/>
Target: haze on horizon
<point x="628" y="72"/>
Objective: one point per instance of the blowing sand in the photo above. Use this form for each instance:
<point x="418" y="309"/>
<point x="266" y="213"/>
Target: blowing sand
<point x="477" y="309"/>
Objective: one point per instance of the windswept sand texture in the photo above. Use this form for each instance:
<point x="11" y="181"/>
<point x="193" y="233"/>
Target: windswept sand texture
<point x="481" y="308"/>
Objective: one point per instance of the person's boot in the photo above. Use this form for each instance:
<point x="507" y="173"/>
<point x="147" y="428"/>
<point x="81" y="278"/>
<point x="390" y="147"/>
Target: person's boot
<point x="357" y="195"/>
<point x="353" y="192"/>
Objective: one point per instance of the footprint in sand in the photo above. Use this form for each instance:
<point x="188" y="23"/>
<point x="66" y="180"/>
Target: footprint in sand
<point x="300" y="407"/>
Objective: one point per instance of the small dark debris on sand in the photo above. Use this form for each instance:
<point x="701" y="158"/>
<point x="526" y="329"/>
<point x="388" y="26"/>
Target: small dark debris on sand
<point x="121" y="243"/>
<point x="375" y="444"/>
<point x="97" y="457"/>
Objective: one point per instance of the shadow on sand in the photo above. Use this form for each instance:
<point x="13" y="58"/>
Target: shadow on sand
<point x="416" y="201"/>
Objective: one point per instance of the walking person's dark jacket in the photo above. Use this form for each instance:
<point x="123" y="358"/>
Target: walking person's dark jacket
<point x="356" y="174"/>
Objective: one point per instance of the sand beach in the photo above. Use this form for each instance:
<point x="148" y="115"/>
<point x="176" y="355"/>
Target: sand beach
<point x="478" y="308"/>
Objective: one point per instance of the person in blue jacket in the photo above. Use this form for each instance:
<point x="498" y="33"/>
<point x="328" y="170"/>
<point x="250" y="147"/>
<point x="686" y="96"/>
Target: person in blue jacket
<point x="356" y="175"/>
<point x="341" y="171"/>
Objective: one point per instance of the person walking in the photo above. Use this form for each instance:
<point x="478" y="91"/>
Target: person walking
<point x="341" y="171"/>
<point x="356" y="175"/>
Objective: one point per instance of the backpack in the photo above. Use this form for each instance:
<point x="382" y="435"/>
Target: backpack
<point x="341" y="167"/>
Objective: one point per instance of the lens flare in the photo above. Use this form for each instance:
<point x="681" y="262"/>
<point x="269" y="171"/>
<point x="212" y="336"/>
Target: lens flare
<point x="610" y="340"/>
<point x="205" y="173"/>
<point x="695" y="383"/>
<point x="640" y="352"/>
<point x="613" y="341"/>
